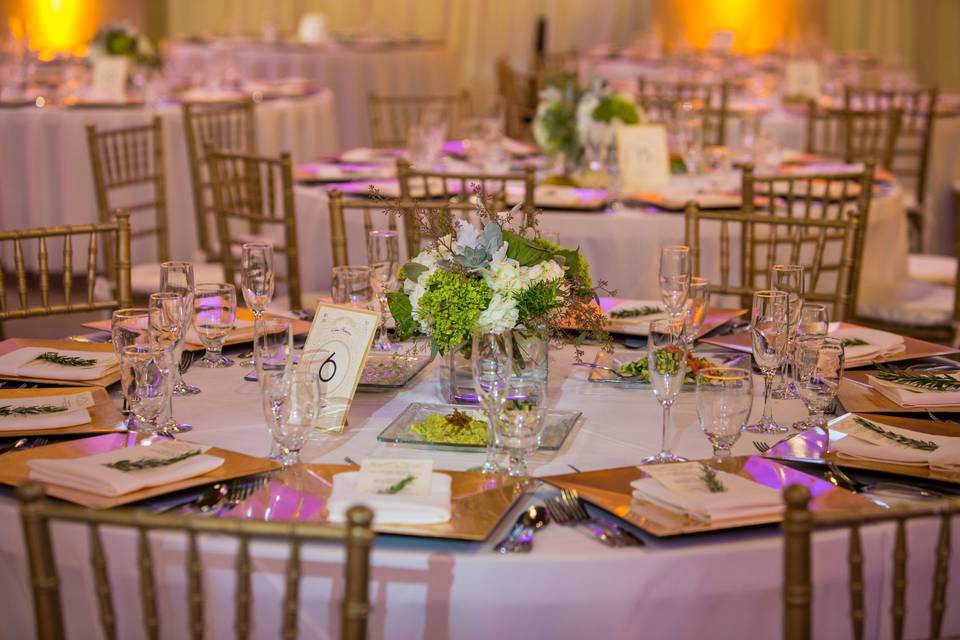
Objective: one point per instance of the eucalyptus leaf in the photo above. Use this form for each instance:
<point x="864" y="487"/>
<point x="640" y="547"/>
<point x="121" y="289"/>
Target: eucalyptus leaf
<point x="413" y="270"/>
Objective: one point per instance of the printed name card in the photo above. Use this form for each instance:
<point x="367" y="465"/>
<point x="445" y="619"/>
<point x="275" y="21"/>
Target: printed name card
<point x="109" y="80"/>
<point x="643" y="157"/>
<point x="396" y="477"/>
<point x="803" y="78"/>
<point x="335" y="351"/>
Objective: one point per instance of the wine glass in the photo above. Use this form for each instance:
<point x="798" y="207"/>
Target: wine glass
<point x="521" y="422"/>
<point x="214" y="313"/>
<point x="819" y="370"/>
<point x="351" y="286"/>
<point x="128" y="327"/>
<point x="724" y="400"/>
<point x="292" y="403"/>
<point x="769" y="328"/>
<point x="492" y="364"/>
<point x="674" y="278"/>
<point x="148" y="367"/>
<point x="273" y="346"/>
<point x="788" y="278"/>
<point x="256" y="280"/>
<point x="667" y="364"/>
<point x="167" y="310"/>
<point x="695" y="310"/>
<point x="178" y="277"/>
<point x="383" y="253"/>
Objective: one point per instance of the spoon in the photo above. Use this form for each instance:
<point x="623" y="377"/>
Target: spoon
<point x="520" y="537"/>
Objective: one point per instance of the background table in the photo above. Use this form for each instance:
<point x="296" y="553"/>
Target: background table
<point x="351" y="72"/>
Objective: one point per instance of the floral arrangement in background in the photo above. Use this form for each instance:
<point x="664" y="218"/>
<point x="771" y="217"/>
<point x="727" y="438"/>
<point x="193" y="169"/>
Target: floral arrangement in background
<point x="497" y="276"/>
<point x="126" y="41"/>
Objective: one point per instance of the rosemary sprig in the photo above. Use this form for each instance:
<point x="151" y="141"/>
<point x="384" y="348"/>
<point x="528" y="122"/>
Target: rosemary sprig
<point x="35" y="410"/>
<point x="913" y="443"/>
<point x="398" y="486"/>
<point x="66" y="361"/>
<point x="150" y="463"/>
<point x="921" y="379"/>
<point x="854" y="342"/>
<point x="710" y="478"/>
<point x="645" y="310"/>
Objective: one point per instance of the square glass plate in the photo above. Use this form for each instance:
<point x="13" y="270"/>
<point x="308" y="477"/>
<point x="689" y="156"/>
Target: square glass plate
<point x="617" y="358"/>
<point x="391" y="371"/>
<point x="557" y="427"/>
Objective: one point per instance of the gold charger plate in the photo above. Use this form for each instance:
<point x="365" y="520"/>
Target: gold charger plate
<point x="12" y="344"/>
<point x="857" y="396"/>
<point x="478" y="503"/>
<point x="14" y="469"/>
<point x="610" y="490"/>
<point x="104" y="415"/>
<point x="812" y="447"/>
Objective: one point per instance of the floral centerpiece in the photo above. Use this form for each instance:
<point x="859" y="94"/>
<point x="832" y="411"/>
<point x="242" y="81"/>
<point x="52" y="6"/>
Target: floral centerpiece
<point x="123" y="40"/>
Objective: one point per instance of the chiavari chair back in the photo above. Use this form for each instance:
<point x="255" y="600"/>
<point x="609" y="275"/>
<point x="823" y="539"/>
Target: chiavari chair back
<point x="392" y="116"/>
<point x="856" y="135"/>
<point x="37" y="513"/>
<point x="519" y="95"/>
<point x="226" y="126"/>
<point x="253" y="194"/>
<point x="662" y="101"/>
<point x="799" y="523"/>
<point x="91" y="239"/>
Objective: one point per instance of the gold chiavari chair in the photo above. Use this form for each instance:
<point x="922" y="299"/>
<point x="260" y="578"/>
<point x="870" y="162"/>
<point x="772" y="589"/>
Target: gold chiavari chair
<point x="226" y="126"/>
<point x="856" y="135"/>
<point x="810" y="220"/>
<point x="115" y="235"/>
<point x="253" y="194"/>
<point x="124" y="163"/>
<point x="798" y="525"/>
<point x="392" y="116"/>
<point x="661" y="101"/>
<point x="37" y="513"/>
<point x="518" y="92"/>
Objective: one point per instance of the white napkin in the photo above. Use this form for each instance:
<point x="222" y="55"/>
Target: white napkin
<point x="23" y="363"/>
<point x="391" y="509"/>
<point x="865" y="444"/>
<point x="680" y="488"/>
<point x="72" y="412"/>
<point x="625" y="305"/>
<point x="907" y="396"/>
<point x="92" y="475"/>
<point x="879" y="343"/>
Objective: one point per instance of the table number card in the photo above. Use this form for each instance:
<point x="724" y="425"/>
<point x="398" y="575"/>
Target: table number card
<point x="803" y="78"/>
<point x="643" y="157"/>
<point x="336" y="350"/>
<point x="110" y="78"/>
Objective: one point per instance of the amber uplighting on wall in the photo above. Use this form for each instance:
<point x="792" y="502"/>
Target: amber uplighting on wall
<point x="55" y="26"/>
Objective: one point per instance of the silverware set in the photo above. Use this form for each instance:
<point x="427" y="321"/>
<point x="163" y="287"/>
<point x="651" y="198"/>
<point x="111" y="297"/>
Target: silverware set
<point x="217" y="498"/>
<point x="22" y="444"/>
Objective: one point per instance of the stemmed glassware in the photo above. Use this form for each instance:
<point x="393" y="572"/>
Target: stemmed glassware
<point x="273" y="346"/>
<point x="214" y="313"/>
<point x="256" y="280"/>
<point x="129" y="327"/>
<point x="178" y="278"/>
<point x="695" y="310"/>
<point x="352" y="286"/>
<point x="492" y="364"/>
<point x="674" y="278"/>
<point x="667" y="364"/>
<point x="724" y="400"/>
<point x="814" y="320"/>
<point x="819" y="370"/>
<point x="292" y="402"/>
<point x="768" y="326"/>
<point x="788" y="278"/>
<point x="383" y="253"/>
<point x="521" y="422"/>
<point x="146" y="370"/>
<point x="167" y="311"/>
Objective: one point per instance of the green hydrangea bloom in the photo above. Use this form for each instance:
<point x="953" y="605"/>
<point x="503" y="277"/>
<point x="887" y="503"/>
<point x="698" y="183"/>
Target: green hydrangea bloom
<point x="451" y="306"/>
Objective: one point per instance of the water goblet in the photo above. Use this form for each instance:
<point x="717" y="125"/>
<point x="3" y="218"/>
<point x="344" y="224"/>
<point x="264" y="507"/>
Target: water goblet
<point x="352" y="286"/>
<point x="788" y="278"/>
<point x="292" y="402"/>
<point x="167" y="310"/>
<point x="819" y="371"/>
<point x="674" y="278"/>
<point x="814" y="320"/>
<point x="177" y="277"/>
<point x="695" y="309"/>
<point x="667" y="364"/>
<point x="521" y="422"/>
<point x="724" y="400"/>
<point x="214" y="313"/>
<point x="130" y="326"/>
<point x="256" y="280"/>
<point x="383" y="253"/>
<point x="492" y="366"/>
<point x="147" y="367"/>
<point x="769" y="331"/>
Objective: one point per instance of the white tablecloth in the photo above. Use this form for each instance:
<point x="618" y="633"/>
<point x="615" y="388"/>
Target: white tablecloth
<point x="352" y="73"/>
<point x="725" y="585"/>
<point x="46" y="165"/>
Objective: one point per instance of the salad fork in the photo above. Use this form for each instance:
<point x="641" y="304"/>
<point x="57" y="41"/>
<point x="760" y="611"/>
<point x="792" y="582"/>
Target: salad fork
<point x="572" y="499"/>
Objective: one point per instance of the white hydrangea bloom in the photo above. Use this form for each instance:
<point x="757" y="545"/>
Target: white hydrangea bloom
<point x="500" y="315"/>
<point x="505" y="277"/>
<point x="545" y="271"/>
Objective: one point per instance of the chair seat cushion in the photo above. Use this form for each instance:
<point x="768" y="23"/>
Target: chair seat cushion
<point x="932" y="268"/>
<point x="145" y="278"/>
<point x="919" y="303"/>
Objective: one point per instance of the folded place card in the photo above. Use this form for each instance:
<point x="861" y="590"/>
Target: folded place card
<point x="392" y="507"/>
<point x="395" y="477"/>
<point x="643" y="157"/>
<point x="57" y="364"/>
<point x="45" y="412"/>
<point x="872" y="440"/>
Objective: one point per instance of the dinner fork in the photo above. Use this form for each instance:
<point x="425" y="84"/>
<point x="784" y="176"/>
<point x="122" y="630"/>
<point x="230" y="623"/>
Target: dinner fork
<point x="240" y="490"/>
<point x="761" y="446"/>
<point x="572" y="499"/>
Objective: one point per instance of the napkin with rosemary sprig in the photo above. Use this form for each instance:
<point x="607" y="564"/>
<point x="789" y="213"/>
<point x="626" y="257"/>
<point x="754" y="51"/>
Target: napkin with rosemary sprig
<point x="58" y="364"/>
<point x="698" y="490"/>
<point x="51" y="411"/>
<point x="870" y="439"/>
<point x="916" y="388"/>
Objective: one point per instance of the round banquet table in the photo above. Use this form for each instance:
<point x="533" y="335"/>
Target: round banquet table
<point x="352" y="72"/>
<point x="46" y="164"/>
<point x="722" y="585"/>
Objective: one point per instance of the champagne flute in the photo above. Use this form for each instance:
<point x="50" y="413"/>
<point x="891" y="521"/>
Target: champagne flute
<point x="769" y="328"/>
<point x="724" y="400"/>
<point x="292" y="403"/>
<point x="789" y="278"/>
<point x="383" y="253"/>
<point x="167" y="310"/>
<point x="819" y="370"/>
<point x="521" y="422"/>
<point x="674" y="278"/>
<point x="256" y="279"/>
<point x="352" y="286"/>
<point x="667" y="364"/>
<point x="273" y="346"/>
<point x="214" y="313"/>
<point x="695" y="310"/>
<point x="178" y="277"/>
<point x="492" y="364"/>
<point x="128" y="327"/>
